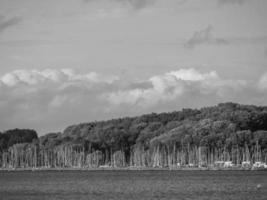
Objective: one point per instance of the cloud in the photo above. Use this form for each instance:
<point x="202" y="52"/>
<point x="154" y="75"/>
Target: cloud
<point x="138" y="4"/>
<point x="176" y="85"/>
<point x="224" y="2"/>
<point x="5" y="23"/>
<point x="34" y="77"/>
<point x="51" y="88"/>
<point x="58" y="100"/>
<point x="135" y="4"/>
<point x="50" y="99"/>
<point x="204" y="36"/>
<point x="192" y="75"/>
<point x="262" y="84"/>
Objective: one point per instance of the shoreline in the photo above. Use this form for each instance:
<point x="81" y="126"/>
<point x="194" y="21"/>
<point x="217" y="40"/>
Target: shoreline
<point x="129" y="169"/>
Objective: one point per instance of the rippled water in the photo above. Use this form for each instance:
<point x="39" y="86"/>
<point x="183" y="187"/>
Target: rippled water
<point x="236" y="185"/>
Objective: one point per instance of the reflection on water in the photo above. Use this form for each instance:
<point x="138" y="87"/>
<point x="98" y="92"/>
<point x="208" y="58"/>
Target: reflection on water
<point x="236" y="185"/>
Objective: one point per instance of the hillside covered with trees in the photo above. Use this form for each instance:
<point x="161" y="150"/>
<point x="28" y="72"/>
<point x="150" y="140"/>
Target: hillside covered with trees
<point x="190" y="137"/>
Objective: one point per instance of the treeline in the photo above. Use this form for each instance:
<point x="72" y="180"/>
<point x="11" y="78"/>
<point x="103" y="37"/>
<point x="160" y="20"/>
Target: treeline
<point x="194" y="137"/>
<point x="15" y="136"/>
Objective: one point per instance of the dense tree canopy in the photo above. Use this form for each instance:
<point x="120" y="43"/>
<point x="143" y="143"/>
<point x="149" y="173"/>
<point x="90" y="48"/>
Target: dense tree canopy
<point x="14" y="136"/>
<point x="207" y="126"/>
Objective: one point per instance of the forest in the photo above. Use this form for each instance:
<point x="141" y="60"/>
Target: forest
<point x="190" y="137"/>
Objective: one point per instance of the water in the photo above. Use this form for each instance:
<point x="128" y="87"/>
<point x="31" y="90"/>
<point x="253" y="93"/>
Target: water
<point x="187" y="185"/>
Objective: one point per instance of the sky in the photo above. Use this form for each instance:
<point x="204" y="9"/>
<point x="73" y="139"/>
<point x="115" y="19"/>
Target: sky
<point x="64" y="62"/>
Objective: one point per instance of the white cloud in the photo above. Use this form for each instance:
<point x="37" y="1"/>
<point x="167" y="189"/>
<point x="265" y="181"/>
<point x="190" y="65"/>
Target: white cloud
<point x="95" y="77"/>
<point x="9" y="79"/>
<point x="35" y="77"/>
<point x="262" y="84"/>
<point x="57" y="98"/>
<point x="30" y="77"/>
<point x="175" y="84"/>
<point x="193" y="75"/>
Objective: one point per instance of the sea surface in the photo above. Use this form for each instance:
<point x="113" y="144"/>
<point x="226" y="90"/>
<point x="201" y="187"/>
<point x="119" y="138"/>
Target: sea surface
<point x="89" y="185"/>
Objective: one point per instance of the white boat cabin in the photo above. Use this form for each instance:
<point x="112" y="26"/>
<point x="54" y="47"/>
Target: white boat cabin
<point x="228" y="164"/>
<point x="246" y="164"/>
<point x="259" y="165"/>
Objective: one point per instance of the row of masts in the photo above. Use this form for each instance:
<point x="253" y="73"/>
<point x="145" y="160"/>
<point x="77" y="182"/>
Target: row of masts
<point x="71" y="156"/>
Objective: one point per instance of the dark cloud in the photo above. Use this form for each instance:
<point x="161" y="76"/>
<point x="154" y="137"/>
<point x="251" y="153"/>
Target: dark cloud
<point x="139" y="4"/>
<point x="204" y="36"/>
<point x="136" y="4"/>
<point x="224" y="2"/>
<point x="144" y="85"/>
<point x="181" y="2"/>
<point x="5" y="23"/>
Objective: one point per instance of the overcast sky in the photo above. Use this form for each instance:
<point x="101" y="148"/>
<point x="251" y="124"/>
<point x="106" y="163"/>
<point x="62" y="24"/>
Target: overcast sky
<point x="64" y="62"/>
